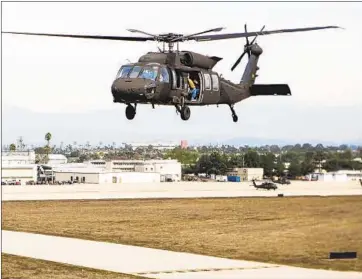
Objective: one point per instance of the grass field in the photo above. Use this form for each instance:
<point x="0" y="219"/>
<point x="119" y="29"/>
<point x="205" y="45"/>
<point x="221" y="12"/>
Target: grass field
<point x="299" y="231"/>
<point x="15" y="267"/>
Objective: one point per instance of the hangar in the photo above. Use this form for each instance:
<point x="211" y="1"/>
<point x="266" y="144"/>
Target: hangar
<point x="99" y="176"/>
<point x="21" y="172"/>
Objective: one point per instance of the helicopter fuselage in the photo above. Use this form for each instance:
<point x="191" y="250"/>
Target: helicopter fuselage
<point x="162" y="78"/>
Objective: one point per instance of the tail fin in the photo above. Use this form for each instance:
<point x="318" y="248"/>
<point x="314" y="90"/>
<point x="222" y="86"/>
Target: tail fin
<point x="251" y="68"/>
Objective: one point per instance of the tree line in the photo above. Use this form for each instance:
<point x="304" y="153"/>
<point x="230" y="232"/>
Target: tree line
<point x="292" y="162"/>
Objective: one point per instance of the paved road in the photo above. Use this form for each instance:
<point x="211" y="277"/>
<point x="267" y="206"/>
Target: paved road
<point x="152" y="263"/>
<point x="176" y="190"/>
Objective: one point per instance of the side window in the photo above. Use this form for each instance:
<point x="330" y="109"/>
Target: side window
<point x="135" y="71"/>
<point x="174" y="79"/>
<point x="164" y="76"/>
<point x="179" y="80"/>
<point x="215" y="82"/>
<point x="207" y="81"/>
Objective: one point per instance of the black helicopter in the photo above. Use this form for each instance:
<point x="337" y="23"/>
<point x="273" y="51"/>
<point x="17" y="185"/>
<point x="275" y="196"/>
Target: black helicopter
<point x="185" y="78"/>
<point x="282" y="180"/>
<point x="265" y="185"/>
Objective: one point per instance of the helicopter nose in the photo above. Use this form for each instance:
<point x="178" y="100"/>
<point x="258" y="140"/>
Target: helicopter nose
<point x="129" y="86"/>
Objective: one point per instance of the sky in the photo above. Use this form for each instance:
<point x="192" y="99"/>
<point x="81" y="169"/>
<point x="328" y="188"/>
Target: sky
<point x="63" y="77"/>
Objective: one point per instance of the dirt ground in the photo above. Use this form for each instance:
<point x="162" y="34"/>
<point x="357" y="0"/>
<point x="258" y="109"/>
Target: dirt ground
<point x="299" y="231"/>
<point x="15" y="267"/>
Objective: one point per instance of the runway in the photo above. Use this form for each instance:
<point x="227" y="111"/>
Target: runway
<point x="175" y="190"/>
<point x="151" y="263"/>
<point x="154" y="263"/>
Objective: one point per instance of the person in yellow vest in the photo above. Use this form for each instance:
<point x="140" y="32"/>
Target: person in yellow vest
<point x="193" y="88"/>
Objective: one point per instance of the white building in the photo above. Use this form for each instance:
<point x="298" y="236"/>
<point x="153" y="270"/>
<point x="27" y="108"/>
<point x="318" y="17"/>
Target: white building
<point x="168" y="169"/>
<point x="20" y="172"/>
<point x="351" y="174"/>
<point x="57" y="159"/>
<point x="99" y="176"/>
<point x="332" y="177"/>
<point x="17" y="157"/>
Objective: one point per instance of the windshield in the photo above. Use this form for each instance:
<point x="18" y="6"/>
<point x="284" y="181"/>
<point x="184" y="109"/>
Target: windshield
<point x="146" y="72"/>
<point x="149" y="73"/>
<point x="124" y="71"/>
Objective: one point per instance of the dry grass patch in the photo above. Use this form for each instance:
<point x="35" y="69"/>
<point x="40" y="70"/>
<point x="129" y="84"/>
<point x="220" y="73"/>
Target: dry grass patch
<point x="15" y="267"/>
<point x="298" y="231"/>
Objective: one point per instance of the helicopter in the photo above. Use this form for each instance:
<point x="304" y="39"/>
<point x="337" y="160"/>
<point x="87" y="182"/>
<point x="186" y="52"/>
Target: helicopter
<point x="265" y="185"/>
<point x="185" y="78"/>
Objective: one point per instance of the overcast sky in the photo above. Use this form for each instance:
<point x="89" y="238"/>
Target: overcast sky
<point x="64" y="75"/>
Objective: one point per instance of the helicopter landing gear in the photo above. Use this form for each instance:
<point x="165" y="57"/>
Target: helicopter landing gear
<point x="184" y="111"/>
<point x="130" y="111"/>
<point x="233" y="114"/>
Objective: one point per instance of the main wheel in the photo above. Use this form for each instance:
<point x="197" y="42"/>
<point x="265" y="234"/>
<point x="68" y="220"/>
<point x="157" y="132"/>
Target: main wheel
<point x="185" y="113"/>
<point x="235" y="118"/>
<point x="130" y="112"/>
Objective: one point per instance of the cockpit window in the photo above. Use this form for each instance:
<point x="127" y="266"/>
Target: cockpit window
<point x="164" y="77"/>
<point x="124" y="71"/>
<point x="135" y="71"/>
<point x="149" y="72"/>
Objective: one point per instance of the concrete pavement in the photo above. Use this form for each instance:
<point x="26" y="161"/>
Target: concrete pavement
<point x="152" y="263"/>
<point x="175" y="190"/>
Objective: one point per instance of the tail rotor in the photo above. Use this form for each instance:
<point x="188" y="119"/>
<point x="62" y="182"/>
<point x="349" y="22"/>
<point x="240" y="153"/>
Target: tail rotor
<point x="247" y="47"/>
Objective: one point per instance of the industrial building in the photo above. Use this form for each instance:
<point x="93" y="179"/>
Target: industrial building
<point x="57" y="159"/>
<point x="247" y="174"/>
<point x="17" y="157"/>
<point x="20" y="172"/>
<point x="98" y="176"/>
<point x="20" y="166"/>
<point x="168" y="169"/>
<point x="341" y="175"/>
<point x="329" y="177"/>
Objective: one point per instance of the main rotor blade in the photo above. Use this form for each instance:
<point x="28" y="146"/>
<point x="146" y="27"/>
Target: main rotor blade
<point x="249" y="34"/>
<point x="141" y="32"/>
<point x="114" y="38"/>
<point x="185" y="37"/>
<point x="257" y="35"/>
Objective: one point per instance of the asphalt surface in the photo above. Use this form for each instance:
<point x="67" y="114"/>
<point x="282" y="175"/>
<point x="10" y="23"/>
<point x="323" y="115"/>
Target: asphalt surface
<point x="176" y="190"/>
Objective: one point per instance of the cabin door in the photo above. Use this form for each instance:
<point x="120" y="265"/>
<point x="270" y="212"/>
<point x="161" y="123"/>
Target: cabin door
<point x="210" y="88"/>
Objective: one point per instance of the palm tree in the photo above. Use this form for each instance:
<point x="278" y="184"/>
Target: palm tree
<point x="48" y="137"/>
<point x="12" y="147"/>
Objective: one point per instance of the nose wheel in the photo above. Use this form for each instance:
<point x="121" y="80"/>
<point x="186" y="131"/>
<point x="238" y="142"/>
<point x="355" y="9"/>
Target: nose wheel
<point x="130" y="111"/>
<point x="233" y="114"/>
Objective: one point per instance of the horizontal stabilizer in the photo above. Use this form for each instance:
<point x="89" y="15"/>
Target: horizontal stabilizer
<point x="270" y="90"/>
